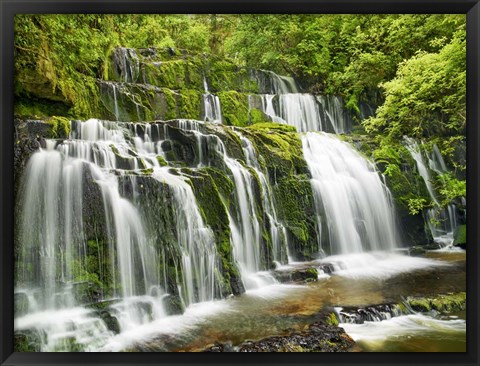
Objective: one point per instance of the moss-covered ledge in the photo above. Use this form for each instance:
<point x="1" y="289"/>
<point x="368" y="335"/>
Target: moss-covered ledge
<point x="448" y="303"/>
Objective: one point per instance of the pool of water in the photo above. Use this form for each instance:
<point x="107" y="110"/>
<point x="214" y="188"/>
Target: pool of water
<point x="278" y="309"/>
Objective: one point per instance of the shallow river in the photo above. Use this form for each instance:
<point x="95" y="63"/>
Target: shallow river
<point x="359" y="280"/>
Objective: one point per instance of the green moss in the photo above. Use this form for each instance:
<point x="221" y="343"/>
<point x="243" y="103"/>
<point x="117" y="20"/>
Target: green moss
<point x="403" y="308"/>
<point x="235" y="110"/>
<point x="213" y="190"/>
<point x="60" y="126"/>
<point x="161" y="160"/>
<point x="295" y="206"/>
<point x="257" y="116"/>
<point x="272" y="126"/>
<point x="223" y="75"/>
<point x="420" y="304"/>
<point x="190" y="104"/>
<point x="332" y="319"/>
<point x="450" y="303"/>
<point x="26" y="341"/>
<point x="312" y="273"/>
<point x="442" y="303"/>
<point x="460" y="235"/>
<point x="39" y="108"/>
<point x="166" y="74"/>
<point x="146" y="171"/>
<point x="171" y="104"/>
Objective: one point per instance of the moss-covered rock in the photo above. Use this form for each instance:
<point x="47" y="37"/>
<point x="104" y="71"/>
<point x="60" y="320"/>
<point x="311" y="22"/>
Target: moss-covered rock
<point x="280" y="151"/>
<point x="214" y="190"/>
<point x="60" y="126"/>
<point x="224" y="75"/>
<point x="235" y="109"/>
<point x="460" y="236"/>
<point x="442" y="303"/>
<point x="322" y="336"/>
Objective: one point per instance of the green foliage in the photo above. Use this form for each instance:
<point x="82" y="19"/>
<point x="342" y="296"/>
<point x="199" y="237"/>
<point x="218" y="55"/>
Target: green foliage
<point x="427" y="96"/>
<point x="343" y="54"/>
<point x="450" y="188"/>
<point x="416" y="205"/>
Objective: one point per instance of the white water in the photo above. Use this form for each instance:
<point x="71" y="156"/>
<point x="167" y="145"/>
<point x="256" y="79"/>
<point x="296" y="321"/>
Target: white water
<point x="349" y="195"/>
<point x="353" y="205"/>
<point x="245" y="227"/>
<point x="441" y="221"/>
<point x="211" y="105"/>
<point x="377" y="265"/>
<point x="52" y="231"/>
<point x="127" y="63"/>
<point x="278" y="231"/>
<point x="375" y="335"/>
<point x="271" y="83"/>
<point x="243" y="215"/>
<point x="283" y="103"/>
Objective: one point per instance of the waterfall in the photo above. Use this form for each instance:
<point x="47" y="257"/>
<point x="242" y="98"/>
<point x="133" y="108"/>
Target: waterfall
<point x="441" y="221"/>
<point x="271" y="83"/>
<point x="54" y="249"/>
<point x="277" y="230"/>
<point x="127" y="64"/>
<point x="354" y="203"/>
<point x="283" y="103"/>
<point x="211" y="105"/>
<point x="243" y="216"/>
<point x="246" y="235"/>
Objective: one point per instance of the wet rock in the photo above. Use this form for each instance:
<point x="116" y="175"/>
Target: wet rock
<point x="93" y="208"/>
<point x="296" y="275"/>
<point x="33" y="129"/>
<point x="327" y="268"/>
<point x="221" y="347"/>
<point x="442" y="303"/>
<point x="432" y="246"/>
<point x="237" y="285"/>
<point x="416" y="251"/>
<point x="321" y="336"/>
<point x="110" y="321"/>
<point x="173" y="305"/>
<point x="317" y="338"/>
<point x="85" y="292"/>
<point x="360" y="315"/>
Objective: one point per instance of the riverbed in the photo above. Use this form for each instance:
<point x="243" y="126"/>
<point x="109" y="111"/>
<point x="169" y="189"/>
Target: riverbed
<point x="358" y="281"/>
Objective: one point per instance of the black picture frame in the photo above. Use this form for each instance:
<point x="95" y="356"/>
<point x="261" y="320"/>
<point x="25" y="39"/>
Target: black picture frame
<point x="11" y="7"/>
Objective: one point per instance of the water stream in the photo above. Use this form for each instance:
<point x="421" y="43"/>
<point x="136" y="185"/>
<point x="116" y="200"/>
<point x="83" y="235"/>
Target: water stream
<point x="441" y="221"/>
<point x="87" y="202"/>
<point x="354" y="208"/>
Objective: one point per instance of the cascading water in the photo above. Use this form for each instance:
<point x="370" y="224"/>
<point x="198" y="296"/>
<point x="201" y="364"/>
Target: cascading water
<point x="246" y="235"/>
<point x="244" y="223"/>
<point x="277" y="230"/>
<point x="211" y="105"/>
<point x="283" y="103"/>
<point x="271" y="83"/>
<point x="354" y="208"/>
<point x="127" y="64"/>
<point x="441" y="221"/>
<point x="54" y="249"/>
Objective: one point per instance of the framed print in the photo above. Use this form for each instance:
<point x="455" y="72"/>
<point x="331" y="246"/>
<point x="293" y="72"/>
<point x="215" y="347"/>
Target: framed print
<point x="290" y="182"/>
